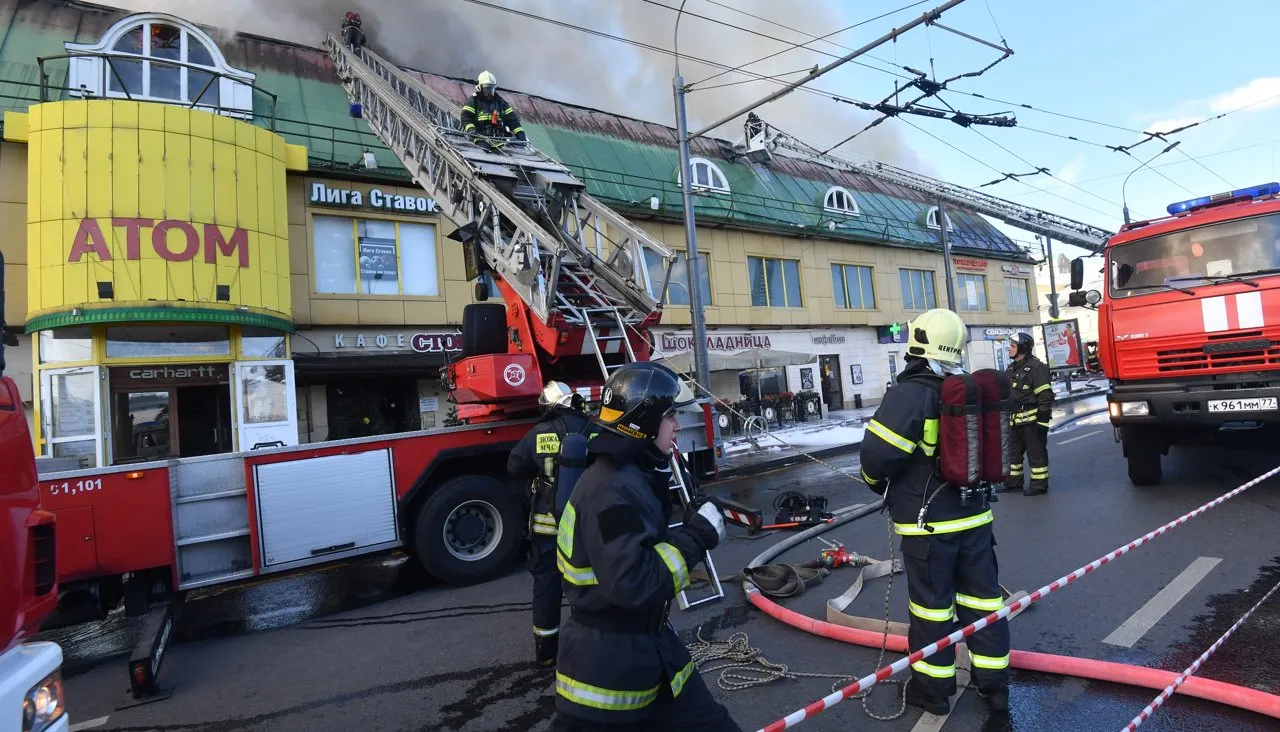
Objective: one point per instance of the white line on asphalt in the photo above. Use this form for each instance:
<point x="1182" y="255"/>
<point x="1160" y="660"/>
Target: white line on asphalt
<point x="1081" y="437"/>
<point x="1132" y="630"/>
<point x="90" y="724"/>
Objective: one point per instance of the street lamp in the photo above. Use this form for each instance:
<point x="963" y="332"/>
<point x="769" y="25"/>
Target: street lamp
<point x="1124" y="200"/>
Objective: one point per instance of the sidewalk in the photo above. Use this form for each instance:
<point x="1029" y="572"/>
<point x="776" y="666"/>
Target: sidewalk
<point x="842" y="433"/>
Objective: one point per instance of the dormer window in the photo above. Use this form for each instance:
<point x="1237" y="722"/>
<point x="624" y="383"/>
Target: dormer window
<point x="840" y="201"/>
<point x="175" y="62"/>
<point x="932" y="221"/>
<point x="706" y="176"/>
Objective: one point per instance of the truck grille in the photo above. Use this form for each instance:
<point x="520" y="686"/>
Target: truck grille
<point x="1237" y="350"/>
<point x="43" y="555"/>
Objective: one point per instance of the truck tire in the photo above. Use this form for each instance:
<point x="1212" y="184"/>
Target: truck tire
<point x="1143" y="451"/>
<point x="484" y="329"/>
<point x="469" y="531"/>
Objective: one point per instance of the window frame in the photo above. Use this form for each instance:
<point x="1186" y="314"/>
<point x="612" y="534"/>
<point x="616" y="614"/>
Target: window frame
<point x="844" y="278"/>
<point x="931" y="220"/>
<point x="1025" y="294"/>
<point x="682" y="255"/>
<point x="358" y="292"/>
<point x="90" y="75"/>
<point x="961" y="303"/>
<point x="933" y="279"/>
<point x="765" y="274"/>
<point x="713" y="171"/>
<point x="848" y="195"/>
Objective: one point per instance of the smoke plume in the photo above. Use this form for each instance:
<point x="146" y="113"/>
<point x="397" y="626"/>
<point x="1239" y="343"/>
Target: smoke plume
<point x="457" y="38"/>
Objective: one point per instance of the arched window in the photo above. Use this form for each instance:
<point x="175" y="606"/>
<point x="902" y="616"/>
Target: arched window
<point x="840" y="200"/>
<point x="190" y="77"/>
<point x="706" y="176"/>
<point x="932" y="221"/>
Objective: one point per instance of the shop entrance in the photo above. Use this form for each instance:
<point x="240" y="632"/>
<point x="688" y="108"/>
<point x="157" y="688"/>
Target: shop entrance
<point x="169" y="411"/>
<point x="832" y="384"/>
<point x="370" y="407"/>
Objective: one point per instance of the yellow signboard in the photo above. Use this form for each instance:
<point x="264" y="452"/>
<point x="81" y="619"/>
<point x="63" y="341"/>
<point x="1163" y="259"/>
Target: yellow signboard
<point x="134" y="206"/>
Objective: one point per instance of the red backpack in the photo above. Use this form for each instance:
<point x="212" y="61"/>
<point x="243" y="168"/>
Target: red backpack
<point x="973" y="435"/>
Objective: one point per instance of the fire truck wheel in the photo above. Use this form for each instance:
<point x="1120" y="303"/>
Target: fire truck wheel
<point x="1143" y="450"/>
<point x="469" y="530"/>
<point x="484" y="329"/>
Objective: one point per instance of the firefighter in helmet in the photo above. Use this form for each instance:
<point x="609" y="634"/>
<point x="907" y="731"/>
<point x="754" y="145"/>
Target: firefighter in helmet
<point x="487" y="114"/>
<point x="532" y="464"/>
<point x="1032" y="391"/>
<point x="948" y="547"/>
<point x="352" y="32"/>
<point x="621" y="665"/>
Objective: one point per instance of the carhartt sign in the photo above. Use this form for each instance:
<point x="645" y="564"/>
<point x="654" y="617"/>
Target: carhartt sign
<point x="173" y="241"/>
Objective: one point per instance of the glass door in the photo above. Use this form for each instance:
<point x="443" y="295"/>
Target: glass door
<point x="71" y="414"/>
<point x="266" y="404"/>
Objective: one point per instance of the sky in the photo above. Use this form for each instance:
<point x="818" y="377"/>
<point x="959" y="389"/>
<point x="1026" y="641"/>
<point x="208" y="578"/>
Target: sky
<point x="1119" y="66"/>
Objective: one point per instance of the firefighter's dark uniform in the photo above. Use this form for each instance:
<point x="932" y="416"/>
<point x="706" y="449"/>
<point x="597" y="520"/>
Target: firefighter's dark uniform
<point x="491" y="117"/>
<point x="1032" y="390"/>
<point x="621" y="665"/>
<point x="951" y="570"/>
<point x="534" y="459"/>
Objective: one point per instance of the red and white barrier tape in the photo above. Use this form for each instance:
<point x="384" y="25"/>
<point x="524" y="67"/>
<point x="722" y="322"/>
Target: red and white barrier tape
<point x="900" y="665"/>
<point x="1168" y="690"/>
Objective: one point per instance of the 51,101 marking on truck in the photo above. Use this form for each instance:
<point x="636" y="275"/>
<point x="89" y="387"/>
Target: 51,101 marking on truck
<point x="66" y="488"/>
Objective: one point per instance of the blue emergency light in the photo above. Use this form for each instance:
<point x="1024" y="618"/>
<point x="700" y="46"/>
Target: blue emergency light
<point x="1254" y="192"/>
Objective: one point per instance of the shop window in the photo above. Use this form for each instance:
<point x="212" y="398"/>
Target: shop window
<point x="971" y="292"/>
<point x="375" y="257"/>
<point x="176" y="62"/>
<point x="262" y="343"/>
<point x="1017" y="295"/>
<point x="917" y="289"/>
<point x="490" y="285"/>
<point x="840" y="201"/>
<point x="266" y="394"/>
<point x="678" y="285"/>
<point x="854" y="287"/>
<point x="706" y="176"/>
<point x="66" y="345"/>
<point x="775" y="283"/>
<point x="70" y="402"/>
<point x="165" y="341"/>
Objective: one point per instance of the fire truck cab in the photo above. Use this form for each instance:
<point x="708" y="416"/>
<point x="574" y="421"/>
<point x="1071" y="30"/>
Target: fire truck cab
<point x="1189" y="326"/>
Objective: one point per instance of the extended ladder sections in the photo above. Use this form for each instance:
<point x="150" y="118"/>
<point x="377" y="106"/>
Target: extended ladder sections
<point x="763" y="137"/>
<point x="569" y="257"/>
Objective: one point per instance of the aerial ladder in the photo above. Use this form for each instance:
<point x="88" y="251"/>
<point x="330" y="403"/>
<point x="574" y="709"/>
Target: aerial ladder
<point x="761" y="137"/>
<point x="574" y="274"/>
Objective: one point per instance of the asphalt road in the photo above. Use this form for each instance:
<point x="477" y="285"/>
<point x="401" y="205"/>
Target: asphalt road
<point x="413" y="655"/>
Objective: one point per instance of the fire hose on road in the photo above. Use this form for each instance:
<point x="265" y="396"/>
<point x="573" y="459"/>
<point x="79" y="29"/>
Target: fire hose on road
<point x="1249" y="699"/>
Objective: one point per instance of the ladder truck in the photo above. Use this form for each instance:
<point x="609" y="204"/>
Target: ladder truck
<point x="763" y="139"/>
<point x="578" y="303"/>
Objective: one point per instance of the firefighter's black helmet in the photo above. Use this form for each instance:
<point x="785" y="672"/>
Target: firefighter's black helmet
<point x="1025" y="343"/>
<point x="638" y="396"/>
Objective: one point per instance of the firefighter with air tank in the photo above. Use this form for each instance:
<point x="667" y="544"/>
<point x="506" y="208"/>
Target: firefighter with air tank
<point x="946" y="534"/>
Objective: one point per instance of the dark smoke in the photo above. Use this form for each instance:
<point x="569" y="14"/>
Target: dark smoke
<point x="456" y="38"/>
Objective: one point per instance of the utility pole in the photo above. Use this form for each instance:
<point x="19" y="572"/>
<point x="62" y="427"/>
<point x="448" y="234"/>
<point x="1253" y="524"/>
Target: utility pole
<point x="1053" y="303"/>
<point x="946" y="258"/>
<point x="693" y="263"/>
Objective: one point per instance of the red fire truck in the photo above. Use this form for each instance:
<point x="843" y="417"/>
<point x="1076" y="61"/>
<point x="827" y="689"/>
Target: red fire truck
<point x="31" y="672"/>
<point x="1189" y="328"/>
<point x="572" y="312"/>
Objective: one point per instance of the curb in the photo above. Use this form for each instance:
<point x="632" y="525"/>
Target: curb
<point x="834" y="450"/>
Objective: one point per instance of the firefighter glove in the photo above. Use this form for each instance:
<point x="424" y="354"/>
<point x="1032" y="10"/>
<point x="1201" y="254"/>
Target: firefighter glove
<point x="705" y="524"/>
<point x="1043" y="416"/>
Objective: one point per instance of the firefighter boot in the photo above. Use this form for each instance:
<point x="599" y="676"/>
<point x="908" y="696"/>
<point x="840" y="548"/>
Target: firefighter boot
<point x="997" y="699"/>
<point x="545" y="650"/>
<point x="917" y="697"/>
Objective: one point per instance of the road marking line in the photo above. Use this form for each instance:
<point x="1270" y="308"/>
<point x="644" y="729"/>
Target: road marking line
<point x="90" y="724"/>
<point x="1081" y="437"/>
<point x="1132" y="630"/>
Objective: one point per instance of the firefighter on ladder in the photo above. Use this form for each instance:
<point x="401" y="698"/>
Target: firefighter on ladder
<point x="487" y="114"/>
<point x="533" y="459"/>
<point x="1032" y="391"/>
<point x="621" y="665"/>
<point x="948" y="548"/>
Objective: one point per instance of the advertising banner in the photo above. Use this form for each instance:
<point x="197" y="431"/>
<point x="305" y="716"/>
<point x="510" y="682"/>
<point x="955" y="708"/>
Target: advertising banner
<point x="1062" y="344"/>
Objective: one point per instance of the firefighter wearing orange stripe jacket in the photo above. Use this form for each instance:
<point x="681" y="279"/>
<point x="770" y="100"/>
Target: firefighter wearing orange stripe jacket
<point x="487" y="114"/>
<point x="1032" y="392"/>
<point x="948" y="547"/>
<point x="621" y="665"/>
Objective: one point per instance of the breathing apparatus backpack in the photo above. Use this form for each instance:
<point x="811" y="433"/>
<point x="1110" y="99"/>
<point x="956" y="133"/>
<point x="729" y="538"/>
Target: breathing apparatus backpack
<point x="973" y="435"/>
<point x="570" y="466"/>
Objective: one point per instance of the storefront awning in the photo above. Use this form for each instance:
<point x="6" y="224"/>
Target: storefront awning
<point x="739" y="360"/>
